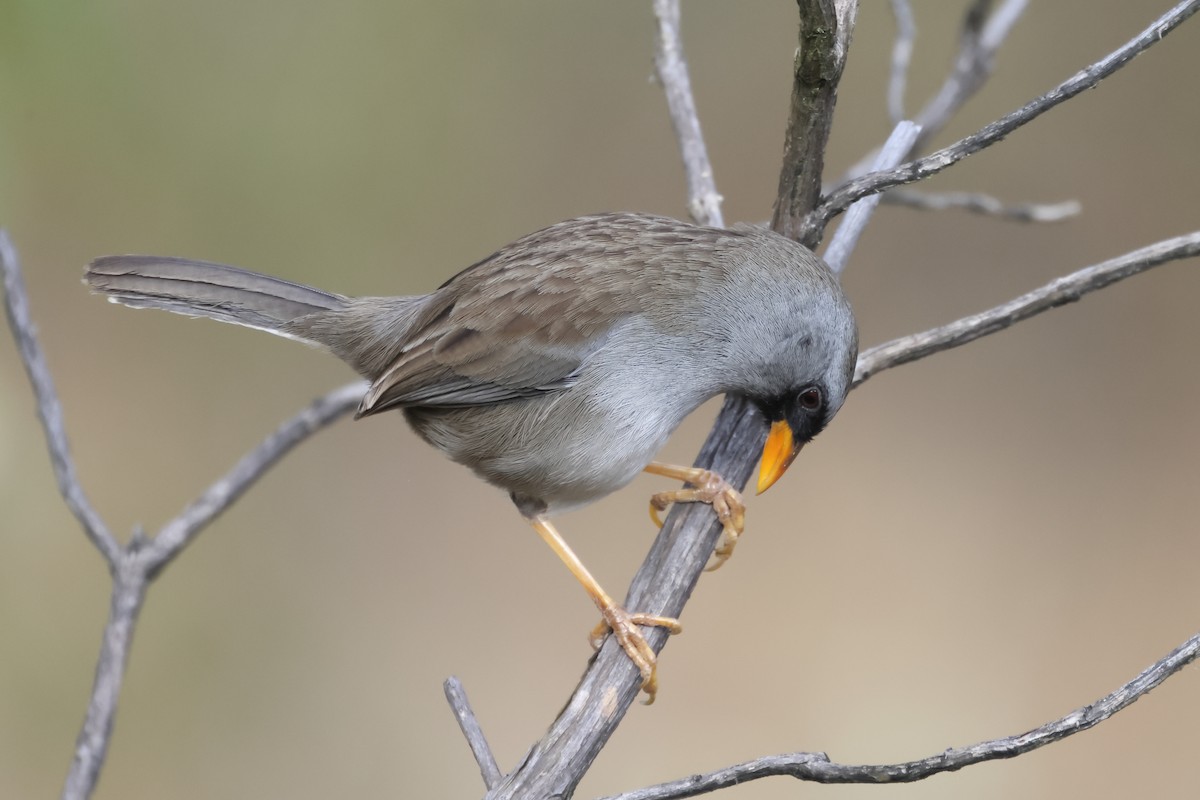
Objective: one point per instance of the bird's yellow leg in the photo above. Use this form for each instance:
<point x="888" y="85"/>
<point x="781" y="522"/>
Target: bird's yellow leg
<point x="709" y="488"/>
<point x="615" y="618"/>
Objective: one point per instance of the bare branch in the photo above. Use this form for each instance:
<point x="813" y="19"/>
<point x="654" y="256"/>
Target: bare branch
<point x="818" y="768"/>
<point x="841" y="198"/>
<point x="906" y="34"/>
<point x="180" y="531"/>
<point x="980" y="203"/>
<point x="16" y="304"/>
<point x="837" y="254"/>
<point x="825" y="28"/>
<point x="456" y="696"/>
<point x="1061" y="291"/>
<point x="704" y="201"/>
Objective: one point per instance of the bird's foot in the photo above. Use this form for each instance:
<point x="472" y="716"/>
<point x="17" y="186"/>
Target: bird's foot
<point x="624" y="626"/>
<point x="709" y="488"/>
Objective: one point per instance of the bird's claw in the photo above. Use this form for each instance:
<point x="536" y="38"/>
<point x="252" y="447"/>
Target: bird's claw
<point x="624" y="626"/>
<point x="656" y="509"/>
<point x="726" y="503"/>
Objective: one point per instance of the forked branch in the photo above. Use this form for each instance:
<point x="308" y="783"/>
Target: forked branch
<point x="841" y="198"/>
<point x="136" y="564"/>
<point x="704" y="201"/>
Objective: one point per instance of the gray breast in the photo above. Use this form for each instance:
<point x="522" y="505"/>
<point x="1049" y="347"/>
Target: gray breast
<point x="568" y="448"/>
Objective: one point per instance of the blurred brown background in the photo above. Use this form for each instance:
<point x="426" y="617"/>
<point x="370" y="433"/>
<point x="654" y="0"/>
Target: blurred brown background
<point x="982" y="542"/>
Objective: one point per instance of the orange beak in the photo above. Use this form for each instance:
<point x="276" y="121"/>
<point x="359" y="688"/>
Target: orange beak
<point x="778" y="454"/>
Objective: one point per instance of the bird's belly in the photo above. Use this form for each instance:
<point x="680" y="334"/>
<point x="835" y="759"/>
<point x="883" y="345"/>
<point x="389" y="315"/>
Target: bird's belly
<point x="566" y="448"/>
<point x="556" y="452"/>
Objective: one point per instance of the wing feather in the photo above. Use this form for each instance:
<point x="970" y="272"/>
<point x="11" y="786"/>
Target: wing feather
<point x="525" y="320"/>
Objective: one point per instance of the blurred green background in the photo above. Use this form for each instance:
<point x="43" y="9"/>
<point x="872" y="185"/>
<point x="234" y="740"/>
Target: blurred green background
<point x="982" y="542"/>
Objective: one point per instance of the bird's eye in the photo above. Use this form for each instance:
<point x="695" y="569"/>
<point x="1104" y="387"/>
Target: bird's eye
<point x="810" y="400"/>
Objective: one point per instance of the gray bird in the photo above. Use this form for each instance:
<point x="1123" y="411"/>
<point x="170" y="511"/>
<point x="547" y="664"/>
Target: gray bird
<point x="557" y="367"/>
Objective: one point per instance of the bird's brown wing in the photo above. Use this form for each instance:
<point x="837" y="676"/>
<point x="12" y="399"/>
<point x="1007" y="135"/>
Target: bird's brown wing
<point x="504" y="330"/>
<point x="524" y="321"/>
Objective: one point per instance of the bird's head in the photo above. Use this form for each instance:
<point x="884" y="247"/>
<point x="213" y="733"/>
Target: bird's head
<point x="820" y="366"/>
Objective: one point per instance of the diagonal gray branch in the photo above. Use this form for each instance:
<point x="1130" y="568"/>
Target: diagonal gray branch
<point x="840" y="199"/>
<point x="1061" y="291"/>
<point x="818" y="768"/>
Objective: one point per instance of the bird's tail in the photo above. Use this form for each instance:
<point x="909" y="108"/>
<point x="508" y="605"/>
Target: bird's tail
<point x="204" y="289"/>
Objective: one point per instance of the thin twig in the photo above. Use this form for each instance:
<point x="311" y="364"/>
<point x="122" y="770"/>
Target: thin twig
<point x="16" y="304"/>
<point x="1061" y="291"/>
<point x="456" y="696"/>
<point x="982" y="35"/>
<point x="176" y="534"/>
<point x="818" y="768"/>
<point x="841" y="198"/>
<point x="704" y="201"/>
<point x="980" y="203"/>
<point x="902" y="48"/>
<point x="837" y="254"/>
